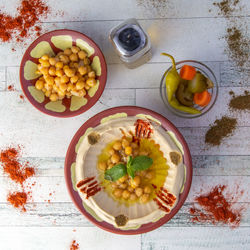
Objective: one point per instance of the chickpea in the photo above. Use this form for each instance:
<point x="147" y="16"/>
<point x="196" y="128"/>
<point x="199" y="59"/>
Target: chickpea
<point x="61" y="94"/>
<point x="86" y="61"/>
<point x="39" y="66"/>
<point x="134" y="145"/>
<point x="143" y="173"/>
<point x="59" y="72"/>
<point x="123" y="186"/>
<point x="45" y="57"/>
<point x="115" y="158"/>
<point x="128" y="150"/>
<point x="50" y="80"/>
<point x="125" y="194"/>
<point x="83" y="70"/>
<point x="110" y="165"/>
<point x="63" y="87"/>
<point x="57" y="80"/>
<point x="44" y="90"/>
<point x="70" y="87"/>
<point x="64" y="59"/>
<point x="87" y="87"/>
<point x="67" y="52"/>
<point x="91" y="82"/>
<point x="75" y="49"/>
<point x="64" y="79"/>
<point x="82" y="54"/>
<point x="53" y="97"/>
<point x="47" y="93"/>
<point x="55" y="88"/>
<point x="74" y="79"/>
<point x="135" y="182"/>
<point x="144" y="198"/>
<point x="139" y="192"/>
<point x="118" y="193"/>
<point x="70" y="72"/>
<point x="147" y="190"/>
<point x="113" y="185"/>
<point x="130" y="189"/>
<point x="75" y="65"/>
<point x="111" y="151"/>
<point x="150" y="175"/>
<point x="65" y="67"/>
<point x="45" y="70"/>
<point x="91" y="74"/>
<point x="39" y="84"/>
<point x="53" y="61"/>
<point x="102" y="165"/>
<point x="125" y="143"/>
<point x="82" y="92"/>
<point x="123" y="178"/>
<point x="80" y="85"/>
<point x="73" y="57"/>
<point x="47" y="86"/>
<point x="117" y="145"/>
<point x="143" y="153"/>
<point x="68" y="94"/>
<point x="133" y="197"/>
<point x="59" y="65"/>
<point x="52" y="71"/>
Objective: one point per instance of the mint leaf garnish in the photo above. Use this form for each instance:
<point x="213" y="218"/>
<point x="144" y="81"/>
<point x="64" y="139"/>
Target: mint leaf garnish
<point x="140" y="163"/>
<point x="115" y="172"/>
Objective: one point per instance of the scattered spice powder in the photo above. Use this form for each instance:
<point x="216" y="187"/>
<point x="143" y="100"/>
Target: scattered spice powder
<point x="18" y="172"/>
<point x="11" y="88"/>
<point x="18" y="200"/>
<point x="241" y="102"/>
<point x="29" y="14"/>
<point x="226" y="7"/>
<point x="21" y="97"/>
<point x="215" y="208"/>
<point x="74" y="245"/>
<point x="221" y="129"/>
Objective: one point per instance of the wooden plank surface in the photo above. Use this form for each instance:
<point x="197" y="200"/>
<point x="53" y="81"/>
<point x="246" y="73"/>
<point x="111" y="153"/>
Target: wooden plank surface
<point x="189" y="30"/>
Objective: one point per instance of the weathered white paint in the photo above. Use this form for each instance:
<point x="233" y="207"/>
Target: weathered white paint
<point x="52" y="238"/>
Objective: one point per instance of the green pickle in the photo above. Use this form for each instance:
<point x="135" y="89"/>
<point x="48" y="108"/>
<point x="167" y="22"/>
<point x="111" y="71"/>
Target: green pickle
<point x="198" y="84"/>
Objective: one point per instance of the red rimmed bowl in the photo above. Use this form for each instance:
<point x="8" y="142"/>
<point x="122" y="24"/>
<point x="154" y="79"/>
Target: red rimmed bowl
<point x="129" y="111"/>
<point x="51" y="43"/>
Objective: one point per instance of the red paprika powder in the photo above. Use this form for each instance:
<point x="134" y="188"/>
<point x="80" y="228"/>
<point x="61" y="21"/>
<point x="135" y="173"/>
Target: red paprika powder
<point x="215" y="208"/>
<point x="18" y="172"/>
<point x="29" y="14"/>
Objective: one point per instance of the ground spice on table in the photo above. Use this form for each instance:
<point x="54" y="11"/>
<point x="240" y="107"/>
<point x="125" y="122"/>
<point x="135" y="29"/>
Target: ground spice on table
<point x="219" y="130"/>
<point x="18" y="200"/>
<point x="226" y="7"/>
<point x="19" y="172"/>
<point x="29" y="14"/>
<point x="241" y="102"/>
<point x="215" y="208"/>
<point x="74" y="245"/>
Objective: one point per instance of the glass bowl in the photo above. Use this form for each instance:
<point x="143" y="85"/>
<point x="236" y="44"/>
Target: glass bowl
<point x="213" y="91"/>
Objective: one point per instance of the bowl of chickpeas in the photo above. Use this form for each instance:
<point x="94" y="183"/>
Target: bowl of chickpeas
<point x="128" y="170"/>
<point x="63" y="73"/>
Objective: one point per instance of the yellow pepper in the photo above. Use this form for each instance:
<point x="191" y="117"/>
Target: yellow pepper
<point x="173" y="80"/>
<point x="175" y="104"/>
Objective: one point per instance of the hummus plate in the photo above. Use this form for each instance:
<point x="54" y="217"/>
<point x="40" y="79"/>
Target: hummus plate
<point x="85" y="181"/>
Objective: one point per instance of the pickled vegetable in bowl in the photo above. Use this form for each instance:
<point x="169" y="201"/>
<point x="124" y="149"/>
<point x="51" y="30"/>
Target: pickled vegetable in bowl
<point x="188" y="88"/>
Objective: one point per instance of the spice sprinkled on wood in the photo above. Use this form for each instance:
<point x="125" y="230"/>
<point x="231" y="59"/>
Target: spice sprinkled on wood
<point x="219" y="130"/>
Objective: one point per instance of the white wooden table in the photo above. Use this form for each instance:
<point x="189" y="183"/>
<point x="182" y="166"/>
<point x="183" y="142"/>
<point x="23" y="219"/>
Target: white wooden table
<point x="187" y="30"/>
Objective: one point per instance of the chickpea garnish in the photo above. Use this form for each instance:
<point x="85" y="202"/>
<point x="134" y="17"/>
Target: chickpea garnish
<point x="117" y="145"/>
<point x="102" y="166"/>
<point x="144" y="198"/>
<point x="128" y="150"/>
<point x="118" y="193"/>
<point x="139" y="192"/>
<point x="135" y="182"/>
<point x="115" y="158"/>
<point x="125" y="194"/>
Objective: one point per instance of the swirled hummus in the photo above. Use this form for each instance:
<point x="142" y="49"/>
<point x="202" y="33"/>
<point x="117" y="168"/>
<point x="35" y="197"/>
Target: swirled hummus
<point x="101" y="205"/>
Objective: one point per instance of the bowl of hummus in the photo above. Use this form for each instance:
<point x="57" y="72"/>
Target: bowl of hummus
<point x="128" y="170"/>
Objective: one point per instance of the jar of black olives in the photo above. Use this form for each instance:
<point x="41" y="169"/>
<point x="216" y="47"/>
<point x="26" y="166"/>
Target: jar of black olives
<point x="131" y="43"/>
